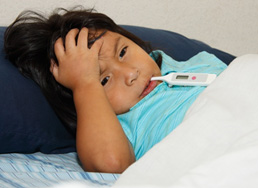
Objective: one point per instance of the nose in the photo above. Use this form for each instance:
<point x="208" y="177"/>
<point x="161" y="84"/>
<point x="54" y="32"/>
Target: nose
<point x="130" y="75"/>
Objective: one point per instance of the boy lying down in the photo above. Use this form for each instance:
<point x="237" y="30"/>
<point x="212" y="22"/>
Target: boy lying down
<point x="97" y="77"/>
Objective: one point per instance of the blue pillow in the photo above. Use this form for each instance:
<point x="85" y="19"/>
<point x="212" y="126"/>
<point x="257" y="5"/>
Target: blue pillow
<point x="28" y="123"/>
<point x="175" y="45"/>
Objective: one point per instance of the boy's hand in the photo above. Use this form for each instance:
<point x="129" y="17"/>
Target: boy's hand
<point x="78" y="65"/>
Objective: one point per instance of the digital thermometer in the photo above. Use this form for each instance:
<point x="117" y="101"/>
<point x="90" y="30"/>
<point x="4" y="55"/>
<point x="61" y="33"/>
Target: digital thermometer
<point x="187" y="79"/>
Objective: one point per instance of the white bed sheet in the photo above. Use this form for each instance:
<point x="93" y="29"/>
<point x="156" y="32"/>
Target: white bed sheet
<point x="217" y="143"/>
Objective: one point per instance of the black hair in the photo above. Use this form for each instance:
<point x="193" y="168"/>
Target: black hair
<point x="29" y="45"/>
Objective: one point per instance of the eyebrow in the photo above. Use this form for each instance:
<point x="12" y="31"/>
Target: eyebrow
<point x="116" y="44"/>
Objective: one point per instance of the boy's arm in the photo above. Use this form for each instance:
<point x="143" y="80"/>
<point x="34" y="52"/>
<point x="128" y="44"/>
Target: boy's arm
<point x="101" y="143"/>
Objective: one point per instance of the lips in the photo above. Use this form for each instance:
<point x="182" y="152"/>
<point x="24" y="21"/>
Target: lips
<point x="150" y="86"/>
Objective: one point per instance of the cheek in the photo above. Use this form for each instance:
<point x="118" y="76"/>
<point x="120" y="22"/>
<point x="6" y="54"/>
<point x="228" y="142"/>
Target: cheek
<point x="121" y="101"/>
<point x="148" y="64"/>
<point x="117" y="101"/>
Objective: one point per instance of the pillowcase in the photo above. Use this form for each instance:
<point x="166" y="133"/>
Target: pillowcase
<point x="28" y="123"/>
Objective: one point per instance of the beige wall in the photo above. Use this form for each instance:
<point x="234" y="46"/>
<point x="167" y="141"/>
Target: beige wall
<point x="229" y="25"/>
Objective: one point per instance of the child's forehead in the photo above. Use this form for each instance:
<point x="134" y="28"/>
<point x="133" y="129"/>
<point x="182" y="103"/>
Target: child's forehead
<point x="106" y="34"/>
<point x="95" y="35"/>
<point x="112" y="35"/>
<point x="112" y="42"/>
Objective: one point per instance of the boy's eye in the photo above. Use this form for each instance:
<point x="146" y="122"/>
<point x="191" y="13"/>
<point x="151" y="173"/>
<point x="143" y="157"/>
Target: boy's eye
<point x="122" y="53"/>
<point x="105" y="80"/>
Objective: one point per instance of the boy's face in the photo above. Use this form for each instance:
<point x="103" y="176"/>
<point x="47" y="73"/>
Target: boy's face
<point x="126" y="70"/>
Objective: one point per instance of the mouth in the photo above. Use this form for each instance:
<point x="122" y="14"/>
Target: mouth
<point x="149" y="87"/>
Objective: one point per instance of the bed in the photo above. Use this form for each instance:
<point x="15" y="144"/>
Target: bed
<point x="216" y="144"/>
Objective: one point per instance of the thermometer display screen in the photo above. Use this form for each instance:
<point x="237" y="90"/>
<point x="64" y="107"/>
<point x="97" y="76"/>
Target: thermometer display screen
<point x="182" y="77"/>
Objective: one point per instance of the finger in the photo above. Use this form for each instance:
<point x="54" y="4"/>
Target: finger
<point x="70" y="39"/>
<point x="83" y="38"/>
<point x="59" y="48"/>
<point x="54" y="68"/>
<point x="96" y="47"/>
<point x="51" y="65"/>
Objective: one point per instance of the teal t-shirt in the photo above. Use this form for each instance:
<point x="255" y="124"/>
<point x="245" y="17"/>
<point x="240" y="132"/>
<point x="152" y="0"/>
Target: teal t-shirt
<point x="162" y="110"/>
